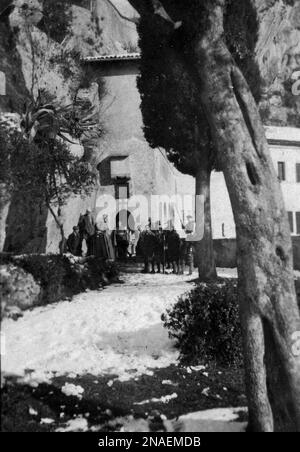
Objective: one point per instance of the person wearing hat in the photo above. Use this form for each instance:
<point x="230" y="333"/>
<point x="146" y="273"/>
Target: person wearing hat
<point x="74" y="242"/>
<point x="173" y="245"/>
<point x="147" y="243"/>
<point x="86" y="226"/>
<point x="189" y="229"/>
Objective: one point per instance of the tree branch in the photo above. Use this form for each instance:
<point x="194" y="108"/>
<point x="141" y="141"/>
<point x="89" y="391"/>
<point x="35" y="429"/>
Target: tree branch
<point x="134" y="20"/>
<point x="160" y="11"/>
<point x="143" y="7"/>
<point x="6" y="10"/>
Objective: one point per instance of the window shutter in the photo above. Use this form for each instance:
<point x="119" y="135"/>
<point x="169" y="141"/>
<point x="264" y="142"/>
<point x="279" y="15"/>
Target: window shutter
<point x="291" y="221"/>
<point x="298" y="222"/>
<point x="281" y="171"/>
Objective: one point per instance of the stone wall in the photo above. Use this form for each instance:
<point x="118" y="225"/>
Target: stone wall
<point x="225" y="253"/>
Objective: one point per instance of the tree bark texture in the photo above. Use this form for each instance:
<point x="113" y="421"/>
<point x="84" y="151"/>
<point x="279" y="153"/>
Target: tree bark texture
<point x="204" y="250"/>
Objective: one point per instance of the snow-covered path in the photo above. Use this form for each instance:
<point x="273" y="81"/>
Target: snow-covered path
<point x="117" y="331"/>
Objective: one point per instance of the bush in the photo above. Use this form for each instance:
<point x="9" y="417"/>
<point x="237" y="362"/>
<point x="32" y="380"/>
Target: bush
<point x="205" y="323"/>
<point x="60" y="277"/>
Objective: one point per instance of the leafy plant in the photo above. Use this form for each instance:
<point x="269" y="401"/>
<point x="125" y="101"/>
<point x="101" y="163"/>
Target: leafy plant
<point x="205" y="323"/>
<point x="43" y="169"/>
<point x="45" y="120"/>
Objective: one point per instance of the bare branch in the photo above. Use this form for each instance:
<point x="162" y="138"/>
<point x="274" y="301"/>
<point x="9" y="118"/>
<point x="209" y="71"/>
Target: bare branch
<point x="134" y="20"/>
<point x="6" y="10"/>
<point x="160" y="11"/>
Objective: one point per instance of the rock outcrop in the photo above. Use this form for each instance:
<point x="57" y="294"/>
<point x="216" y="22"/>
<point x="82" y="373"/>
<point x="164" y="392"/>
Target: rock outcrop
<point x="278" y="57"/>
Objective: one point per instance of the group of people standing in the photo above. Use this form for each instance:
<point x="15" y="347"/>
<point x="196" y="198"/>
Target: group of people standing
<point x="167" y="249"/>
<point x="159" y="248"/>
<point x="97" y="238"/>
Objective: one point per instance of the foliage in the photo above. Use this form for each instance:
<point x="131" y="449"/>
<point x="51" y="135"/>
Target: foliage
<point x="170" y="104"/>
<point x="44" y="169"/>
<point x="241" y="32"/>
<point x="206" y="326"/>
<point x="170" y="98"/>
<point x="56" y="18"/>
<point x="45" y="120"/>
<point x="63" y="276"/>
<point x="205" y="323"/>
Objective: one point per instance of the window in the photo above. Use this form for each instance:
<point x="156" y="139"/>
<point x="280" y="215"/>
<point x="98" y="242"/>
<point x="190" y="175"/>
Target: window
<point x="298" y="172"/>
<point x="122" y="191"/>
<point x="120" y="167"/>
<point x="223" y="230"/>
<point x="298" y="222"/>
<point x="281" y="171"/>
<point x="291" y="221"/>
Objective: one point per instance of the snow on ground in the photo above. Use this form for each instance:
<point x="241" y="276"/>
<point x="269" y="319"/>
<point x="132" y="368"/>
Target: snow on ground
<point x="216" y="420"/>
<point x="117" y="331"/>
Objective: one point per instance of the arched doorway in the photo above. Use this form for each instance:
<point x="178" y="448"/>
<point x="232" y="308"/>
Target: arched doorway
<point x="125" y="221"/>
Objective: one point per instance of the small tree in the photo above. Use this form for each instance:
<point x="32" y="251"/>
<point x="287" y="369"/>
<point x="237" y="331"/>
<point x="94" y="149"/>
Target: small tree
<point x="172" y="120"/>
<point x="43" y="170"/>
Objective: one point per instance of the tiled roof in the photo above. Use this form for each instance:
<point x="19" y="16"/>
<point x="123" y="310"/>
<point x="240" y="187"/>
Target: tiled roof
<point x="109" y="58"/>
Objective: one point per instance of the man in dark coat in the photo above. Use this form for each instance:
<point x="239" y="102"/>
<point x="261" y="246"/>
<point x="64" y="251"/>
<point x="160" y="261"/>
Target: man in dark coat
<point x="173" y="244"/>
<point x="147" y="243"/>
<point x="74" y="242"/>
<point x="99" y="248"/>
<point x="158" y="255"/>
<point x="86" y="226"/>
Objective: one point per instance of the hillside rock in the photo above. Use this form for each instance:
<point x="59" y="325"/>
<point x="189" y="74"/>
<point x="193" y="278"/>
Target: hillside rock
<point x="18" y="289"/>
<point x="278" y="57"/>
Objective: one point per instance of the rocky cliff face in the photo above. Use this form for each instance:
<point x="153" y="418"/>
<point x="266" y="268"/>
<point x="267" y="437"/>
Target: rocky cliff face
<point x="278" y="57"/>
<point x="42" y="42"/>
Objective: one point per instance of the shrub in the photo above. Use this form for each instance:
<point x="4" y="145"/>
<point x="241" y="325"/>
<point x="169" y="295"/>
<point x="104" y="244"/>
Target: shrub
<point x="206" y="326"/>
<point x="205" y="323"/>
<point x="63" y="276"/>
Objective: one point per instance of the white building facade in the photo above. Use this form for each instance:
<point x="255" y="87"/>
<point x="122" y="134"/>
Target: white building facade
<point x="284" y="145"/>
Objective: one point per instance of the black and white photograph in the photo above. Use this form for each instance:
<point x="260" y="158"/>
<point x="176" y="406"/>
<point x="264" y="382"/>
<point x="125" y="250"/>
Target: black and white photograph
<point x="150" y="219"/>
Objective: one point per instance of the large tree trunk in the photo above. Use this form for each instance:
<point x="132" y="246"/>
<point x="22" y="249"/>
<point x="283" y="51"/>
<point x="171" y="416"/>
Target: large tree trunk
<point x="269" y="312"/>
<point x="204" y="251"/>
